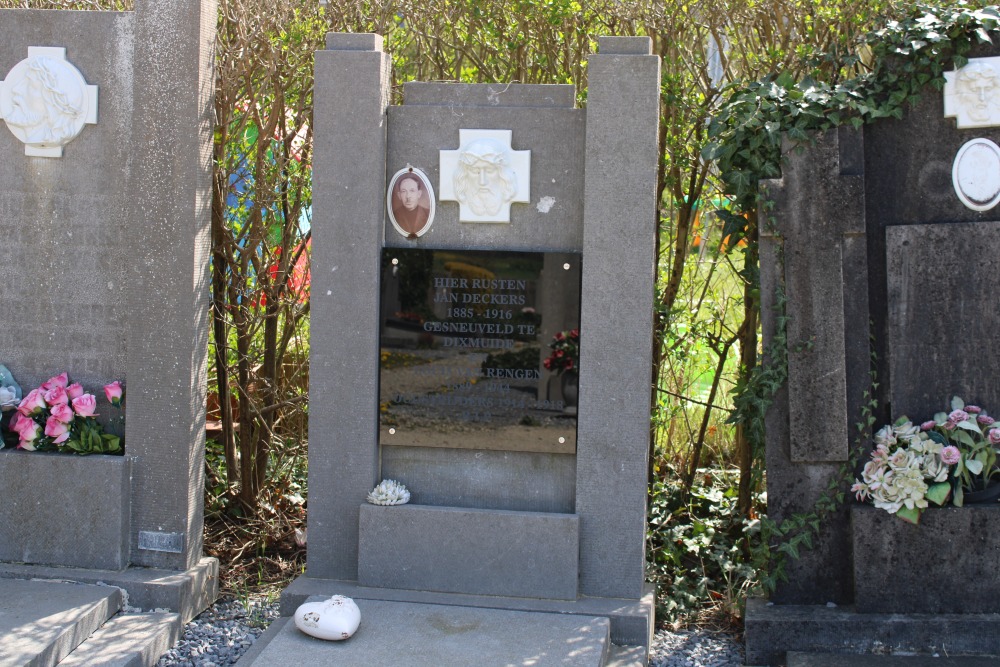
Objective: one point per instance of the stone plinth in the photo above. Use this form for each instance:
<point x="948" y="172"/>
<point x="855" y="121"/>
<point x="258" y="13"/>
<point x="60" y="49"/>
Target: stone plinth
<point x="946" y="564"/>
<point x="62" y="509"/>
<point x="460" y="550"/>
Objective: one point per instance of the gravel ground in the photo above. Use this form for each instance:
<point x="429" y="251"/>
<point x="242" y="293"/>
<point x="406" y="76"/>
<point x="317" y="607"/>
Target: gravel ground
<point x="224" y="632"/>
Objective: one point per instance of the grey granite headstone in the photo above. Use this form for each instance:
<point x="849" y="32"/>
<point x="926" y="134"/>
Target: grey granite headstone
<point x="592" y="203"/>
<point x="107" y="273"/>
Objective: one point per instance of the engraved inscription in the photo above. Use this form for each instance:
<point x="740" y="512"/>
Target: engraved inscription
<point x="64" y="294"/>
<point x="463" y="343"/>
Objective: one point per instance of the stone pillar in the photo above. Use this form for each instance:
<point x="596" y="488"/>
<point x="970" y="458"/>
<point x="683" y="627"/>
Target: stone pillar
<point x="352" y="92"/>
<point x="616" y="313"/>
<point x="816" y="232"/>
<point x="168" y="294"/>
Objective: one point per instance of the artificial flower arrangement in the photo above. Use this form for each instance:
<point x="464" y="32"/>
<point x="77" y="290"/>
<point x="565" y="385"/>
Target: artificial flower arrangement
<point x="940" y="460"/>
<point x="565" y="354"/>
<point x="61" y="417"/>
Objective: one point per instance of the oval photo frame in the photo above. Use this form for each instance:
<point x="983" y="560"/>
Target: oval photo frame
<point x="975" y="174"/>
<point x="410" y="202"/>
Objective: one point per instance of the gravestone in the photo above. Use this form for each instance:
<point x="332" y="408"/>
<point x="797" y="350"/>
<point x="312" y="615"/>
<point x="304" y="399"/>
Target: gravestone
<point x="885" y="242"/>
<point x="105" y="217"/>
<point x="461" y="240"/>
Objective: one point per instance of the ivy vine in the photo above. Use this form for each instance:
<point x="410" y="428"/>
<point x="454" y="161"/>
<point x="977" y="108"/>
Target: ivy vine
<point x="888" y="70"/>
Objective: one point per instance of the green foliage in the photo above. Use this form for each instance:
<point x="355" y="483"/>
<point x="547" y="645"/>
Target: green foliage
<point x="694" y="548"/>
<point x="902" y="59"/>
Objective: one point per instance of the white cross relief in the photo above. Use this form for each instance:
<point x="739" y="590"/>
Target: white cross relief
<point x="45" y="101"/>
<point x="485" y="175"/>
<point x="972" y="93"/>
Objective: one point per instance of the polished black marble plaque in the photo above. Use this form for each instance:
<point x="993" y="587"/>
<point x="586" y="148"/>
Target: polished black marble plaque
<point x="479" y="349"/>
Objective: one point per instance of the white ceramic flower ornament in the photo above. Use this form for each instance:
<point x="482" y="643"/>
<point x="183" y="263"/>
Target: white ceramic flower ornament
<point x="335" y="619"/>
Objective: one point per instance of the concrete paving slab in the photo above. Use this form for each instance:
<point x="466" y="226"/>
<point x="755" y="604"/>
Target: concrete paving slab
<point x="424" y="635"/>
<point x="631" y="620"/>
<point x="42" y="621"/>
<point x="626" y="656"/>
<point x="799" y="659"/>
<point x="128" y="640"/>
<point x="186" y="592"/>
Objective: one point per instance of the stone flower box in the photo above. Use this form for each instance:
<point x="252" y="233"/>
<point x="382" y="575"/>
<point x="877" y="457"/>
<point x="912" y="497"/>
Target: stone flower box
<point x="949" y="563"/>
<point x="61" y="509"/>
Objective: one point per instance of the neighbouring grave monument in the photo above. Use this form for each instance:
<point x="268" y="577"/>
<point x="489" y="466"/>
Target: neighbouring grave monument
<point x="104" y="216"/>
<point x="481" y="332"/>
<point x="888" y="237"/>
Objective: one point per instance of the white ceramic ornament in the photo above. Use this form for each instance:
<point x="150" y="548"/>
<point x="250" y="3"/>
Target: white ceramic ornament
<point x="335" y="619"/>
<point x="389" y="492"/>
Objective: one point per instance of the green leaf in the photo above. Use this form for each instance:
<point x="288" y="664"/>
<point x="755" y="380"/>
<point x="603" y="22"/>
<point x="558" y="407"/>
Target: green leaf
<point x="959" y="496"/>
<point x="909" y="515"/>
<point x="970" y="425"/>
<point x="938" y="493"/>
<point x="957" y="403"/>
<point x="974" y="466"/>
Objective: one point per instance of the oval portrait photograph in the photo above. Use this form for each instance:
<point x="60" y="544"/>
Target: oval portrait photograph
<point x="976" y="174"/>
<point x="410" y="202"/>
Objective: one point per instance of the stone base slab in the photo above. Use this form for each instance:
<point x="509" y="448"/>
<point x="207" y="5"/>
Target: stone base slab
<point x="65" y="510"/>
<point x="430" y="635"/>
<point x="473" y="551"/>
<point x="771" y="631"/>
<point x="186" y="593"/>
<point x="41" y="622"/>
<point x="948" y="563"/>
<point x="631" y="620"/>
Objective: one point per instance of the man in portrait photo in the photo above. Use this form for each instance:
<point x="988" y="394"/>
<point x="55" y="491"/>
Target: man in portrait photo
<point x="410" y="203"/>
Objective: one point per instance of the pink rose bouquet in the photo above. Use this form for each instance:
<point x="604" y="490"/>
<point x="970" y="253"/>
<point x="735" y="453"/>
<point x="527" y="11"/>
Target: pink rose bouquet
<point x="59" y="416"/>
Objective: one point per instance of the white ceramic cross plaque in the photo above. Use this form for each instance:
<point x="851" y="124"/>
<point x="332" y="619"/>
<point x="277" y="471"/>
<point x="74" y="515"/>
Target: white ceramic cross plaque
<point x="485" y="175"/>
<point x="972" y="93"/>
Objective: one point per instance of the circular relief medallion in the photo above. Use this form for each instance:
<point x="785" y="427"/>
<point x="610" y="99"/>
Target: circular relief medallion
<point x="45" y="101"/>
<point x="976" y="174"/>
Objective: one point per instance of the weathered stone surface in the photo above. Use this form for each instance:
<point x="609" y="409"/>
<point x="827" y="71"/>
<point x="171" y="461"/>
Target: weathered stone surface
<point x="816" y="206"/>
<point x="942" y="287"/>
<point x="169" y="201"/>
<point x="553" y="135"/>
<point x="616" y="320"/>
<point x="773" y="630"/>
<point x="893" y="559"/>
<point x="821" y="574"/>
<point x="631" y="620"/>
<point x="489" y="94"/>
<point x="455" y="550"/>
<point x="42" y="621"/>
<point x="52" y="515"/>
<point x="352" y="89"/>
<point x="110" y="245"/>
<point x="422" y="635"/>
<point x="128" y="640"/>
<point x="519" y="481"/>
<point x="186" y="593"/>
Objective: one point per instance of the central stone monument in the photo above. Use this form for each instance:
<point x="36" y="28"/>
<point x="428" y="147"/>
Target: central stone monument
<point x="481" y="332"/>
